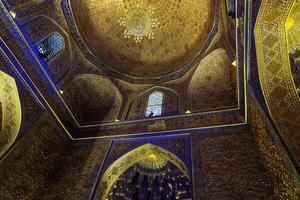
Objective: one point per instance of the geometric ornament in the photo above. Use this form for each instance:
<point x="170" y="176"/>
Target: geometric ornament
<point x="10" y="108"/>
<point x="138" y="21"/>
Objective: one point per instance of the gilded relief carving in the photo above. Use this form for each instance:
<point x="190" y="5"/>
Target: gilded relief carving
<point x="284" y="176"/>
<point x="11" y="112"/>
<point x="99" y="98"/>
<point x="274" y="71"/>
<point x="176" y="30"/>
<point x="213" y="85"/>
<point x="140" y="41"/>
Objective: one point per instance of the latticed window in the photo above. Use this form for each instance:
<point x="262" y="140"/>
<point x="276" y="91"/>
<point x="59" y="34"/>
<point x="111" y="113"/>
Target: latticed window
<point x="231" y="8"/>
<point x="155" y="103"/>
<point x="51" y="46"/>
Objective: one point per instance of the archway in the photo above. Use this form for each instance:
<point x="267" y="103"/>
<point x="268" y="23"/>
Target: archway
<point x="93" y="99"/>
<point x="118" y="167"/>
<point x="213" y="85"/>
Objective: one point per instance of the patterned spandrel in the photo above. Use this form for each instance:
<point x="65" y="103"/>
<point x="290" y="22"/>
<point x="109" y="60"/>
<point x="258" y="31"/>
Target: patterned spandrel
<point x="155" y="102"/>
<point x="51" y="46"/>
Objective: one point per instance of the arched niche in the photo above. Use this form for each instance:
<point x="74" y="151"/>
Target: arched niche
<point x="10" y="111"/>
<point x="38" y="29"/>
<point x="118" y="167"/>
<point x="93" y="99"/>
<point x="213" y="84"/>
<point x="138" y="106"/>
<point x="274" y="71"/>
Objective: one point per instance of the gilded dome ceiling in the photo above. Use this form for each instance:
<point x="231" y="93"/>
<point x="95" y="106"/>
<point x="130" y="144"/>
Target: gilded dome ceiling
<point x="144" y="38"/>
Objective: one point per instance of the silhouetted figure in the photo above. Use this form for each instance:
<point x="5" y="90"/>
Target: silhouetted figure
<point x="173" y="196"/>
<point x="161" y="193"/>
<point x="149" y="195"/>
<point x="151" y="114"/>
<point x="231" y="14"/>
<point x="135" y="196"/>
<point x="135" y="180"/>
<point x="144" y="186"/>
<point x="165" y="183"/>
<point x="145" y="182"/>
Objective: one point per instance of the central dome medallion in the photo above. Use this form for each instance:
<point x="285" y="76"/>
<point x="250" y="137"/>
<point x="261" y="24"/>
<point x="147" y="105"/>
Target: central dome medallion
<point x="144" y="38"/>
<point x="139" y="23"/>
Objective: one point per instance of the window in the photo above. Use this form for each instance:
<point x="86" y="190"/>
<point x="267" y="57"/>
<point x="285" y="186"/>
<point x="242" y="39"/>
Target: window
<point x="155" y="102"/>
<point x="51" y="46"/>
<point x="231" y="8"/>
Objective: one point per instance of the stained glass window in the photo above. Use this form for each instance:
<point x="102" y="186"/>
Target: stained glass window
<point x="155" y="103"/>
<point x="51" y="46"/>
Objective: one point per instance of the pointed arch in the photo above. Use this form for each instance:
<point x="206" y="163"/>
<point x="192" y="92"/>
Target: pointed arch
<point x="213" y="85"/>
<point x="11" y="112"/>
<point x="118" y="167"/>
<point x="93" y="99"/>
<point x="37" y="30"/>
<point x="138" y="106"/>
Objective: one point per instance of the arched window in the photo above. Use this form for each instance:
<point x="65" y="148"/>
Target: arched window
<point x="51" y="46"/>
<point x="155" y="103"/>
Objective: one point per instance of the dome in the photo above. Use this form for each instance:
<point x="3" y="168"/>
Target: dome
<point x="145" y="38"/>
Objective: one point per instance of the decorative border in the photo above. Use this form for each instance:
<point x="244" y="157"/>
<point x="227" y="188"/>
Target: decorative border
<point x="275" y="77"/>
